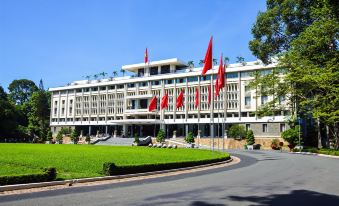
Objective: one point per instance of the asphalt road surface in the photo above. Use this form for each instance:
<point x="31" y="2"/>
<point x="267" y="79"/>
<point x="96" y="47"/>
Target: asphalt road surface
<point x="261" y="178"/>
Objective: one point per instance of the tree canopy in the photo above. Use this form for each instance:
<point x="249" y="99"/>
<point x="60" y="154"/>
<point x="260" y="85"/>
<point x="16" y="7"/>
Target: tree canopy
<point x="303" y="36"/>
<point x="21" y="90"/>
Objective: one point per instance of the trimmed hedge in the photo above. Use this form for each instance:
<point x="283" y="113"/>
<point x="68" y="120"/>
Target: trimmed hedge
<point x="319" y="151"/>
<point x="112" y="169"/>
<point x="48" y="174"/>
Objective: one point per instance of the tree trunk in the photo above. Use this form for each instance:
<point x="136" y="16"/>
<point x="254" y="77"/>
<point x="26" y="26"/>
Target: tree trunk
<point x="336" y="135"/>
<point x="319" y="134"/>
<point x="327" y="136"/>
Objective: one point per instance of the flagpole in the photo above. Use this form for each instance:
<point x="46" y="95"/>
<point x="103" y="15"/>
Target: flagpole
<point x="225" y="106"/>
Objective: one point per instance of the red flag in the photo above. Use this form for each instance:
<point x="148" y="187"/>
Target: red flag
<point x="196" y="97"/>
<point x="209" y="95"/>
<point x="221" y="74"/>
<point x="220" y="78"/>
<point x="180" y="98"/>
<point x="164" y="101"/>
<point x="217" y="87"/>
<point x="153" y="104"/>
<point x="146" y="56"/>
<point x="208" y="61"/>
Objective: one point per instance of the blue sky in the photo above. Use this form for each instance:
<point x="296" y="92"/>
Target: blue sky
<point x="63" y="40"/>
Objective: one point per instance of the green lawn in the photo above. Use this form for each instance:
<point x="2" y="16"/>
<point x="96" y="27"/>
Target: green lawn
<point x="78" y="161"/>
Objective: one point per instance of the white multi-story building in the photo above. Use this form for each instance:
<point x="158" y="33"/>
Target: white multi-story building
<point x="121" y="104"/>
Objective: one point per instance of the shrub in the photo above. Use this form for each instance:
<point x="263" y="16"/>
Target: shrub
<point x="275" y="144"/>
<point x="237" y="131"/>
<point x="74" y="136"/>
<point x="48" y="174"/>
<point x="113" y="169"/>
<point x="250" y="137"/>
<point x="291" y="135"/>
<point x="136" y="138"/>
<point x="189" y="139"/>
<point x="49" y="135"/>
<point x="59" y="137"/>
<point x="161" y="136"/>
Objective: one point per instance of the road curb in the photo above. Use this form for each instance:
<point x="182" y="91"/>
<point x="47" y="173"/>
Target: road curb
<point x="316" y="154"/>
<point x="93" y="179"/>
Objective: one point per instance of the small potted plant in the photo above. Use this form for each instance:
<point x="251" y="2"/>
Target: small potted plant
<point x="250" y="139"/>
<point x="275" y="144"/>
<point x="190" y="139"/>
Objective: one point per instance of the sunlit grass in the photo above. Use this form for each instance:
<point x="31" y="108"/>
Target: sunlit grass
<point x="78" y="161"/>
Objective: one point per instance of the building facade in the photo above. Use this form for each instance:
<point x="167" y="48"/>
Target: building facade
<point x="120" y="105"/>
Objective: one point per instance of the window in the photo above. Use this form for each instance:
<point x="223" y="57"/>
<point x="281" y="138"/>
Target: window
<point x="140" y="72"/>
<point x="266" y="72"/>
<point x="130" y="85"/>
<point x="120" y="86"/>
<point x="169" y="81"/>
<point x="248" y="127"/>
<point x="86" y="89"/>
<point x="264" y="99"/>
<point x="143" y="84"/>
<point x="282" y="127"/>
<point x="70" y="106"/>
<point x="232" y="75"/>
<point x="155" y="83"/>
<point x="154" y="70"/>
<point x="94" y="89"/>
<point x="143" y="104"/>
<point x="55" y="111"/>
<point x="206" y="78"/>
<point x="102" y="88"/>
<point x="281" y="99"/>
<point x="264" y="128"/>
<point x="79" y="90"/>
<point x="111" y="87"/>
<point x="165" y="69"/>
<point x="247" y="88"/>
<point x="181" y="80"/>
<point x="247" y="101"/>
<point x="246" y="74"/>
<point x="192" y="79"/>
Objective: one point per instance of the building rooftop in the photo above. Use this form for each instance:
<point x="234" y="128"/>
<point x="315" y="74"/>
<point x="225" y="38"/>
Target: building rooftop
<point x="135" y="67"/>
<point x="185" y="70"/>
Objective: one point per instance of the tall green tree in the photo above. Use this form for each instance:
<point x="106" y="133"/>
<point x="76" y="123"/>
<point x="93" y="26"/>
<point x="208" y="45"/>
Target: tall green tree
<point x="39" y="114"/>
<point x="21" y="90"/>
<point x="303" y="36"/>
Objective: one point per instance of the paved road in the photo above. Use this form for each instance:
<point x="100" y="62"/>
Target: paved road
<point x="262" y="178"/>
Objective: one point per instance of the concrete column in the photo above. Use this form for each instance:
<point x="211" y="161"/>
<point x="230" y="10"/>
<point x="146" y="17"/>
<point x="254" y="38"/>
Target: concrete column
<point x="106" y="129"/>
<point x="124" y="128"/>
<point x="186" y="130"/>
<point x="89" y="130"/>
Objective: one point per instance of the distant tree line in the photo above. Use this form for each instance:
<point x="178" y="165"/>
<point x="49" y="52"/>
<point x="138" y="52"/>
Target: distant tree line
<point x="25" y="112"/>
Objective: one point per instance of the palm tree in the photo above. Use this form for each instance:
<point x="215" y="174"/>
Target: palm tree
<point x="115" y="73"/>
<point x="88" y="77"/>
<point x="190" y="64"/>
<point x="226" y="60"/>
<point x="201" y="62"/>
<point x="123" y="72"/>
<point x="215" y="61"/>
<point x="96" y="76"/>
<point x="241" y="60"/>
<point x="103" y="74"/>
